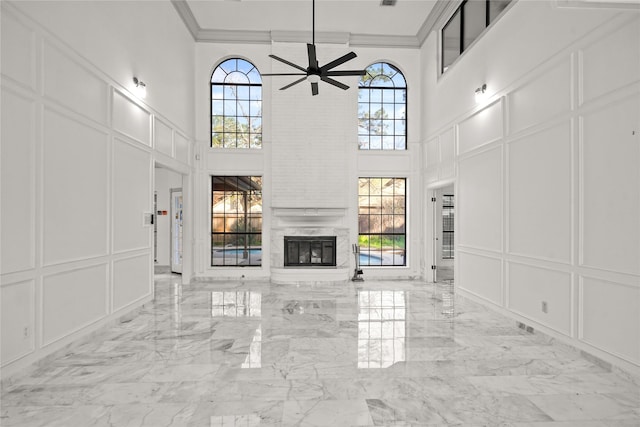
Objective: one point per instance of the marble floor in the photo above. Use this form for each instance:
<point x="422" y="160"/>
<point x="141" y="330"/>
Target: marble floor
<point x="339" y="355"/>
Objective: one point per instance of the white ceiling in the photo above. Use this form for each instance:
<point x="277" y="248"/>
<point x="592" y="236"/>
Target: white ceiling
<point x="262" y="21"/>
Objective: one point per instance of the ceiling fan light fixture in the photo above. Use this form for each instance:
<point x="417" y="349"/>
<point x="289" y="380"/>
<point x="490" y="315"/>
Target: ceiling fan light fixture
<point x="314" y="72"/>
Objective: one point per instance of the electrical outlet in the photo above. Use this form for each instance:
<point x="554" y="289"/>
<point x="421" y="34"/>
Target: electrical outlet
<point x="545" y="307"/>
<point x="26" y="332"/>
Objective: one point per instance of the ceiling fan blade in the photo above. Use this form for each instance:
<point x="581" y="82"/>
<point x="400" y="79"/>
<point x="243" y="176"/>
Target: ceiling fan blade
<point x="313" y="60"/>
<point x="346" y="73"/>
<point x="334" y="82"/>
<point x="277" y="58"/>
<point x="284" y="74"/>
<point x="344" y="58"/>
<point x="294" y="83"/>
<point x="314" y="88"/>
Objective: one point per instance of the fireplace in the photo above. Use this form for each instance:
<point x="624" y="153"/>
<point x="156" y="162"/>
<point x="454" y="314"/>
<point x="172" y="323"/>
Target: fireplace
<point x="309" y="251"/>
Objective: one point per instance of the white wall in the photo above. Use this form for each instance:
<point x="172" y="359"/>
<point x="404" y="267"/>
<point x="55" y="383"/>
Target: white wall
<point x="547" y="176"/>
<point x="77" y="164"/>
<point x="309" y="157"/>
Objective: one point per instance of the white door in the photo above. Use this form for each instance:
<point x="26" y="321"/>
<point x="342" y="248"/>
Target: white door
<point x="176" y="230"/>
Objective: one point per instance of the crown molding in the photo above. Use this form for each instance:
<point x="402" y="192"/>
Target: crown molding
<point x="185" y="13"/>
<point x="306" y="36"/>
<point x="233" y="36"/>
<point x="441" y="10"/>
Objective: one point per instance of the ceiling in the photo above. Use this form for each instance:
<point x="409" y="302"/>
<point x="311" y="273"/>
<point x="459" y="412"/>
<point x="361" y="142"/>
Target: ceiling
<point x="356" y="22"/>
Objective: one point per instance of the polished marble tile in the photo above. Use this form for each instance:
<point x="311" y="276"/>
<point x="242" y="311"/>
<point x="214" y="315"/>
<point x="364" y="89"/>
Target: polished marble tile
<point x="383" y="353"/>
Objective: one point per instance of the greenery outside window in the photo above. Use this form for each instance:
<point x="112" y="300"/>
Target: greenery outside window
<point x="382" y="109"/>
<point x="236" y="105"/>
<point x="236" y="221"/>
<point x="381" y="221"/>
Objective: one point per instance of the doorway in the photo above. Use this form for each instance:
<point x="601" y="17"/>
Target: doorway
<point x="176" y="230"/>
<point x="443" y="233"/>
<point x="170" y="221"/>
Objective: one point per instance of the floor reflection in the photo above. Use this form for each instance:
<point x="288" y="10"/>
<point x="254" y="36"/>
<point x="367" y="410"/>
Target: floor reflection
<point x="236" y="304"/>
<point x="254" y="357"/>
<point x="241" y="304"/>
<point x="381" y="328"/>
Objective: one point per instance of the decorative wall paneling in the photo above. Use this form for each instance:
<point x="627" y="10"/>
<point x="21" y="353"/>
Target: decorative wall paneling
<point x="77" y="171"/>
<point x="563" y="226"/>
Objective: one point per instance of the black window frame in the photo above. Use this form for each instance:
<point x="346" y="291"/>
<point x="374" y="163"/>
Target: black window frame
<point x="246" y="235"/>
<point x="461" y="10"/>
<point x="364" y="222"/>
<point x="364" y="84"/>
<point x="254" y="138"/>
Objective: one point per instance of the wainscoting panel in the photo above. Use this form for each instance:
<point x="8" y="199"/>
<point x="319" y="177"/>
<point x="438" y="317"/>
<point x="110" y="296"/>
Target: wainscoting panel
<point x="75" y="189"/>
<point x="481" y="128"/>
<point x="539" y="194"/>
<point x="131" y="280"/>
<point x="610" y="235"/>
<point x="606" y="67"/>
<point x="530" y="287"/>
<point x="73" y="300"/>
<point x="18" y="219"/>
<point x="480" y="199"/>
<point x="17" y="320"/>
<point x="18" y="51"/>
<point x="72" y="85"/>
<point x="182" y="148"/>
<point x="163" y="137"/>
<point x="480" y="275"/>
<point x="131" y="196"/>
<point x="610" y="317"/>
<point x="542" y="99"/>
<point x="447" y="154"/>
<point x="432" y="161"/>
<point x="131" y="119"/>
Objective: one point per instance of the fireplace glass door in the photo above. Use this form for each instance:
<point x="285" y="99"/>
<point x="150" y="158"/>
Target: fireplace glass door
<point x="302" y="251"/>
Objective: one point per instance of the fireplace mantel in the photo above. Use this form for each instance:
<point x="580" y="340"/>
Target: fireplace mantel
<point x="308" y="212"/>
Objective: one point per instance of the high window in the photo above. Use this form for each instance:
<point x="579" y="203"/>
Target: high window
<point x="465" y="25"/>
<point x="236" y="105"/>
<point x="382" y="108"/>
<point x="381" y="221"/>
<point x="236" y="221"/>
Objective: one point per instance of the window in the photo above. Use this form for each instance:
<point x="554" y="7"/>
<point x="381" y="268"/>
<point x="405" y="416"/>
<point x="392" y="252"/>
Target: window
<point x="236" y="105"/>
<point x="381" y="221"/>
<point x="447" y="226"/>
<point x="382" y="109"/>
<point x="236" y="221"/>
<point x="465" y="26"/>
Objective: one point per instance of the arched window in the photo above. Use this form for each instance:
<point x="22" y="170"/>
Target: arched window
<point x="236" y="105"/>
<point x="382" y="108"/>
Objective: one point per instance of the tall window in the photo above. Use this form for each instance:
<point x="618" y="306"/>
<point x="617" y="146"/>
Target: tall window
<point x="465" y="25"/>
<point x="236" y="221"/>
<point x="382" y="108"/>
<point x="236" y="105"/>
<point x="381" y="221"/>
<point x="447" y="226"/>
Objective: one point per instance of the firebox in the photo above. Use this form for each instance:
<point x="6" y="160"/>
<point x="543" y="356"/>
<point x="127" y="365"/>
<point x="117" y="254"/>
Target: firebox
<point x="309" y="251"/>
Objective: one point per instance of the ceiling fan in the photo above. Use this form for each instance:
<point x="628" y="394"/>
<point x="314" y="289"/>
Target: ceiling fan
<point x="314" y="72"/>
